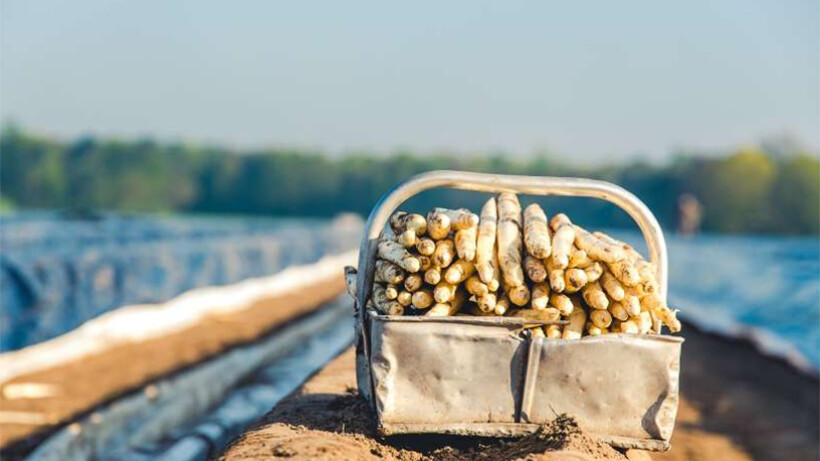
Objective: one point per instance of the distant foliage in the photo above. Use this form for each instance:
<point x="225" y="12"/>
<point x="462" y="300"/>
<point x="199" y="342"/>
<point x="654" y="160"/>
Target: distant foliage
<point x="748" y="191"/>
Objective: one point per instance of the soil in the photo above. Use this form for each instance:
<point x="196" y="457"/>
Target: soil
<point x="736" y="405"/>
<point x="326" y="420"/>
<point x="99" y="378"/>
<point x="740" y="405"/>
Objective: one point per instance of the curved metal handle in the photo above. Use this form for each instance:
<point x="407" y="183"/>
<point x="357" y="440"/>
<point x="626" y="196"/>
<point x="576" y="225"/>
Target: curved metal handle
<point x="532" y="185"/>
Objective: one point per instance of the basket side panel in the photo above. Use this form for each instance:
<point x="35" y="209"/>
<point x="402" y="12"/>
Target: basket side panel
<point x="362" y="371"/>
<point x="446" y="373"/>
<point x="619" y="386"/>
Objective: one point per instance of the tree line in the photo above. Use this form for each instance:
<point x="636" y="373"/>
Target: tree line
<point x="749" y="190"/>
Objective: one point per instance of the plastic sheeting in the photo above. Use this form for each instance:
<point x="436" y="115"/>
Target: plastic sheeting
<point x="196" y="413"/>
<point x="57" y="273"/>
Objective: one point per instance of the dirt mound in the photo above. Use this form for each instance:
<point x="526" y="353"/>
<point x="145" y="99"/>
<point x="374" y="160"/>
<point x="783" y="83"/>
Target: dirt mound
<point x="561" y="435"/>
<point x="340" y="427"/>
<point x="737" y="406"/>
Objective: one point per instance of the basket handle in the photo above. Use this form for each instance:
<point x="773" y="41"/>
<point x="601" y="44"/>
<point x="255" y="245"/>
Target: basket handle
<point x="532" y="185"/>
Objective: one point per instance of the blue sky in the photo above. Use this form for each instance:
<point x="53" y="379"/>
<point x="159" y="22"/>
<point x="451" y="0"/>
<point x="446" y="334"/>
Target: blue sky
<point x="584" y="80"/>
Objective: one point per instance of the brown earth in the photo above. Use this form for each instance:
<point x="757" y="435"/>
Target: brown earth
<point x="737" y="405"/>
<point x="103" y="377"/>
<point x="326" y="420"/>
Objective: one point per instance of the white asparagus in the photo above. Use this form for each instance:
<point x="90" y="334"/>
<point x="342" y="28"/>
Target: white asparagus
<point x="426" y="246"/>
<point x="464" y="253"/>
<point x="394" y="308"/>
<point x="486" y="242"/>
<point x="422" y="299"/>
<point x="555" y="276"/>
<point x="559" y="220"/>
<point x="444" y="254"/>
<point x="562" y="238"/>
<point x="553" y="331"/>
<point x="379" y="297"/>
<point x="444" y="292"/>
<point x="612" y="286"/>
<point x="654" y="305"/>
<point x="574" y="280"/>
<point x="646" y="273"/>
<point x="618" y="311"/>
<point x="397" y="254"/>
<point x="413" y="282"/>
<point x="459" y="271"/>
<point x="575" y="328"/>
<point x="600" y="318"/>
<point x="404" y="298"/>
<point x="391" y="291"/>
<point x="466" y="243"/>
<point x="594" y="271"/>
<point x="562" y="303"/>
<point x="596" y="248"/>
<point x="536" y="232"/>
<point x="449" y="308"/>
<point x="475" y="286"/>
<point x="579" y="258"/>
<point x="460" y="219"/>
<point x="518" y="295"/>
<point x="543" y="315"/>
<point x="625" y="272"/>
<point x="401" y="222"/>
<point x="540" y="296"/>
<point x="387" y="272"/>
<point x="441" y="310"/>
<point x="432" y="275"/>
<point x="632" y="304"/>
<point x="487" y="302"/>
<point x="425" y="262"/>
<point x="407" y="239"/>
<point x="502" y="305"/>
<point x="509" y="240"/>
<point x="630" y="252"/>
<point x="495" y="282"/>
<point x="438" y="225"/>
<point x="630" y="326"/>
<point x="384" y="305"/>
<point x="644" y="321"/>
<point x="593" y="330"/>
<point x="594" y="296"/>
<point x="535" y="269"/>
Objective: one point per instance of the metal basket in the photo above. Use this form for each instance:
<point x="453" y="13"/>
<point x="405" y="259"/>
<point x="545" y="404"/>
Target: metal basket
<point x="478" y="376"/>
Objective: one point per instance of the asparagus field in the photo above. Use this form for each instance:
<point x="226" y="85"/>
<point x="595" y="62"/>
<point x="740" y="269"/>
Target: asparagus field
<point x="505" y="262"/>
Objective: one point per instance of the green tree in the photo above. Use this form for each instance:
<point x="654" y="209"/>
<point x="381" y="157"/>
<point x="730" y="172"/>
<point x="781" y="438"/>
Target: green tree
<point x="735" y="191"/>
<point x="796" y="195"/>
<point x="748" y="191"/>
<point x="31" y="172"/>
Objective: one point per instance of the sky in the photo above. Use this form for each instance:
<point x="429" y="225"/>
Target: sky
<point x="580" y="80"/>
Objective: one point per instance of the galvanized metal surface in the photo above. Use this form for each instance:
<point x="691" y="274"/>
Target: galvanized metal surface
<point x="614" y="385"/>
<point x="447" y="372"/>
<point x="480" y="376"/>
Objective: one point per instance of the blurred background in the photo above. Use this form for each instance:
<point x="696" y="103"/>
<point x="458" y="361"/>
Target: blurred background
<point x="128" y="124"/>
<point x="148" y="148"/>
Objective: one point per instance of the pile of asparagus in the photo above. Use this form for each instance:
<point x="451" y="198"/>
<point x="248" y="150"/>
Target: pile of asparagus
<point x="505" y="262"/>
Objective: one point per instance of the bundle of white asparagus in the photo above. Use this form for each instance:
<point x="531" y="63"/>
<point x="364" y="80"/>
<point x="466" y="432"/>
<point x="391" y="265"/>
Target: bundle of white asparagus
<point x="514" y="263"/>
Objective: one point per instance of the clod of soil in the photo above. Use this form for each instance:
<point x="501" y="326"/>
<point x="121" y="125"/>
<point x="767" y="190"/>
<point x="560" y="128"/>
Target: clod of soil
<point x="340" y="427"/>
